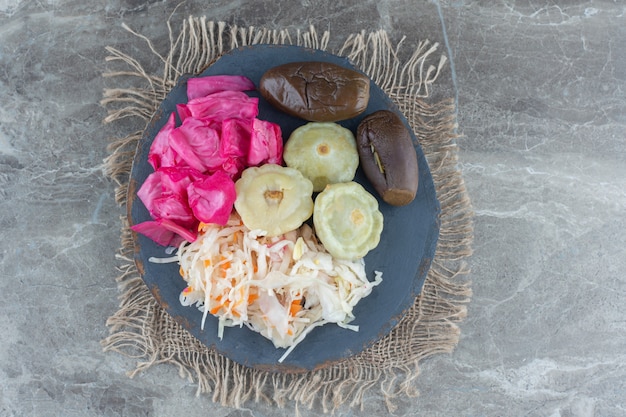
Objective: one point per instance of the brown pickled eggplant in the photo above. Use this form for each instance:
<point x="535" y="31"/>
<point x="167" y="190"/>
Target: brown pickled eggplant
<point x="388" y="157"/>
<point x="316" y="91"/>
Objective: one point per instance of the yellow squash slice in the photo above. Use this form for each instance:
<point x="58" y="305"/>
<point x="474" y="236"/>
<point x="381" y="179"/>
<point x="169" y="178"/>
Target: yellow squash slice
<point x="273" y="198"/>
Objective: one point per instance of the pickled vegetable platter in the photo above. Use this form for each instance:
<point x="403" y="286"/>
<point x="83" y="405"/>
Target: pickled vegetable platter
<point x="404" y="254"/>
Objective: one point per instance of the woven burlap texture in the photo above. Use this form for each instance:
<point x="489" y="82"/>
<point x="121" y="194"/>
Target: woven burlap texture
<point x="143" y="330"/>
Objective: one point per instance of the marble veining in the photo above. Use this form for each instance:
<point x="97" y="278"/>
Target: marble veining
<point x="541" y="104"/>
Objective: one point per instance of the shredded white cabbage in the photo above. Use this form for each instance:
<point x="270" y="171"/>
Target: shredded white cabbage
<point x="281" y="287"/>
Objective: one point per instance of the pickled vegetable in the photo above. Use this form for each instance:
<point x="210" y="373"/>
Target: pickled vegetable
<point x="388" y="157"/>
<point x="316" y="91"/>
<point x="347" y="220"/>
<point x="325" y="153"/>
<point x="273" y="199"/>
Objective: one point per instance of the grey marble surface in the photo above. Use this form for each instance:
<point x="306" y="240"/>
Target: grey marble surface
<point x="541" y="93"/>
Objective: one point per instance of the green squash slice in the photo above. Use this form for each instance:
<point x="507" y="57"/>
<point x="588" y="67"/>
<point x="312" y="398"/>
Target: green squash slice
<point x="347" y="220"/>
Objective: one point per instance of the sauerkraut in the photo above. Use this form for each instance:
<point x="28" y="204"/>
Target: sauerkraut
<point x="281" y="287"/>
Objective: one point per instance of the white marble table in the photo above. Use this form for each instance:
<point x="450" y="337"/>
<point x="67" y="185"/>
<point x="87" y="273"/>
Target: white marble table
<point x="541" y="93"/>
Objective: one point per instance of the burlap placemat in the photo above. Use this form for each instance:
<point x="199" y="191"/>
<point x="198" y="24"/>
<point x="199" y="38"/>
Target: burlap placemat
<point x="143" y="330"/>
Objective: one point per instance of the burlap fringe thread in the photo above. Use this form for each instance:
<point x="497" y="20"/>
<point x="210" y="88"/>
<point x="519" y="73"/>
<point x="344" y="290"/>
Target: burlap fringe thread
<point x="141" y="329"/>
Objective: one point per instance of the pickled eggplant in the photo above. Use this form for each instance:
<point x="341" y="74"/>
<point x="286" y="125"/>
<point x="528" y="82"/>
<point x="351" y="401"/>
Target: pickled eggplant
<point x="388" y="157"/>
<point x="316" y="91"/>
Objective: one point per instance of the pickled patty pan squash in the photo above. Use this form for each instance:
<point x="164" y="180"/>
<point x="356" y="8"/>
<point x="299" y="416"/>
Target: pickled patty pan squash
<point x="325" y="152"/>
<point x="273" y="198"/>
<point x="347" y="220"/>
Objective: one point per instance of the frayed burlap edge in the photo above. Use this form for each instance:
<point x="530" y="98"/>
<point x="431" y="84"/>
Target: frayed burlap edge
<point x="143" y="330"/>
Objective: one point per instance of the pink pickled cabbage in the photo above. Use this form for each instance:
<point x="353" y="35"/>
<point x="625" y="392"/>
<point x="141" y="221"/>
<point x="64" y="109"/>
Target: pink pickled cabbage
<point x="179" y="198"/>
<point x="161" y="152"/>
<point x="211" y="198"/>
<point x="197" y="145"/>
<point x="164" y="193"/>
<point x="203" y="86"/>
<point x="164" y="232"/>
<point x="183" y="111"/>
<point x="266" y="143"/>
<point x="235" y="140"/>
<point x="197" y="162"/>
<point x="222" y="105"/>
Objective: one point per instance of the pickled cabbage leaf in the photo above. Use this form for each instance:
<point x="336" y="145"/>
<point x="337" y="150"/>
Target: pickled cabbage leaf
<point x="220" y="106"/>
<point x="161" y="152"/>
<point x="266" y="143"/>
<point x="197" y="144"/>
<point x="164" y="232"/>
<point x="211" y="198"/>
<point x="164" y="193"/>
<point x="203" y="86"/>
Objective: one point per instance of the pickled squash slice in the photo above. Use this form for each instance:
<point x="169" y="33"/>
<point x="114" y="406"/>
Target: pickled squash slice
<point x="347" y="220"/>
<point x="273" y="199"/>
<point x="325" y="153"/>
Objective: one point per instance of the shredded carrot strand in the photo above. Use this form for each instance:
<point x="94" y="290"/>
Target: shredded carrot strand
<point x="295" y="307"/>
